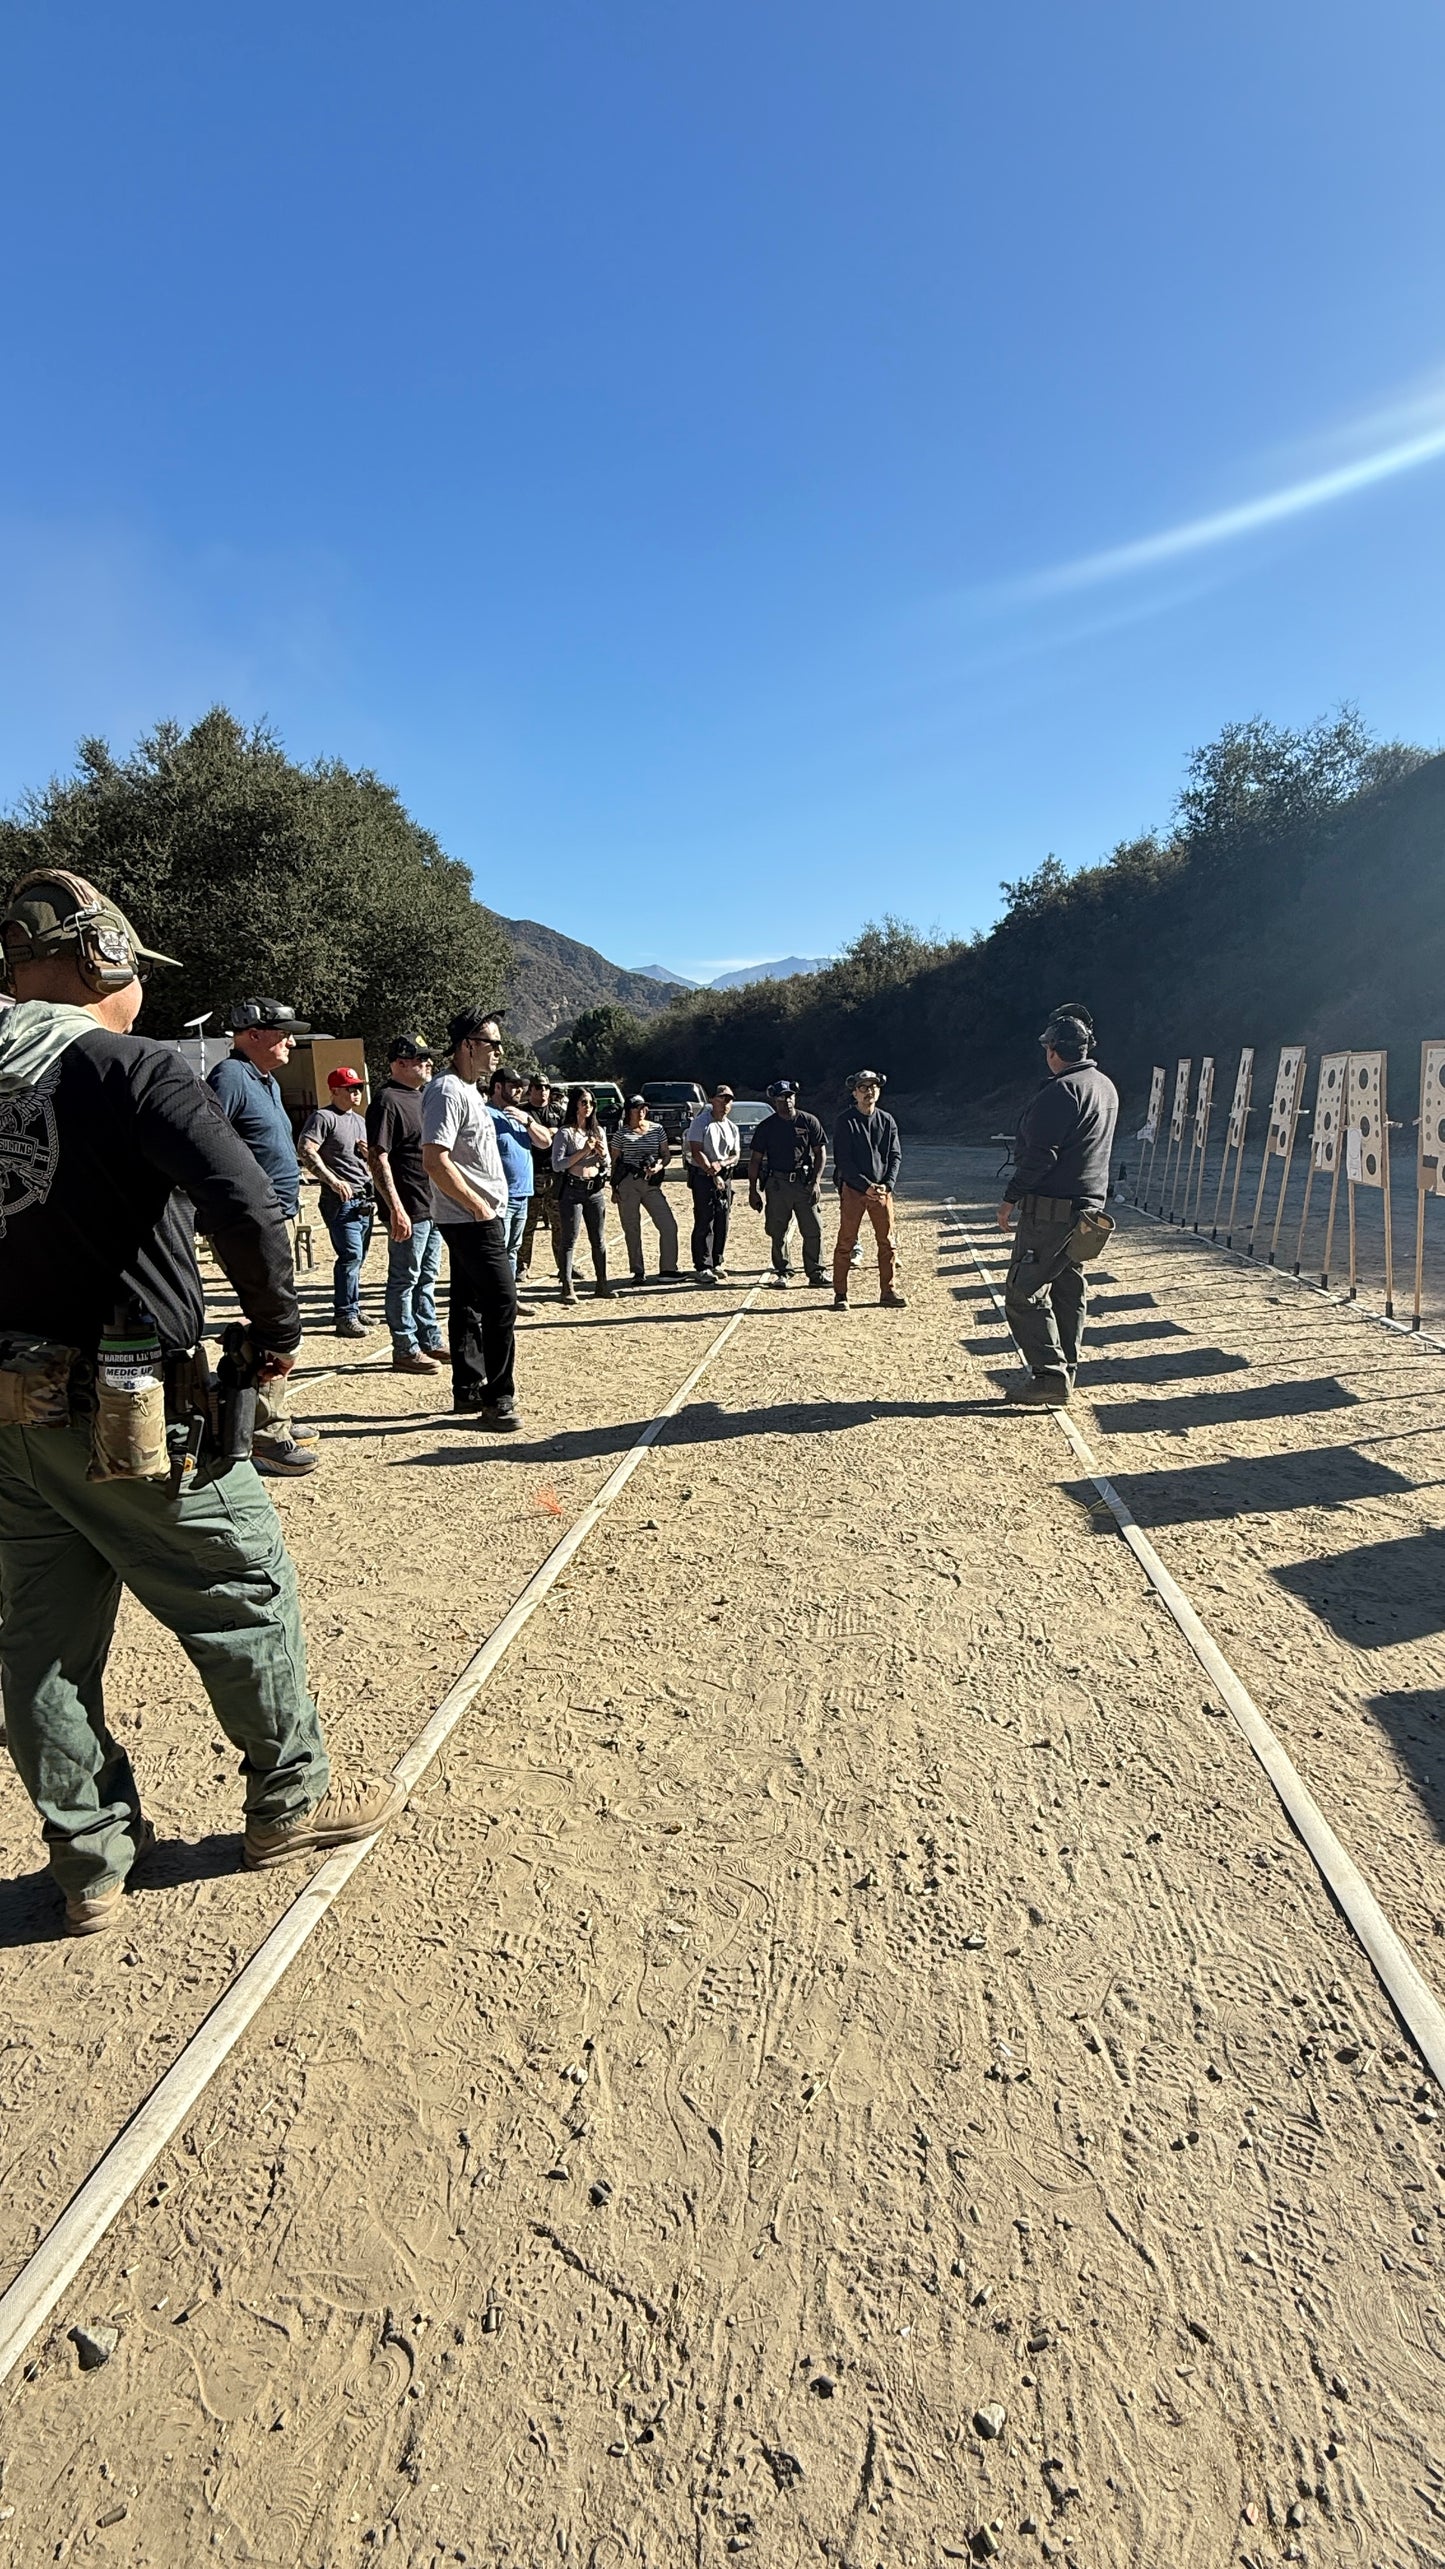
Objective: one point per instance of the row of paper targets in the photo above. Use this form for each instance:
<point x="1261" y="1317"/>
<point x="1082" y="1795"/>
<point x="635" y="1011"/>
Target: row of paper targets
<point x="1349" y="1102"/>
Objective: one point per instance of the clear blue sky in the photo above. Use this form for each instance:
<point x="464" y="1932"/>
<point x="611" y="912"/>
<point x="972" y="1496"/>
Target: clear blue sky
<point x="648" y="433"/>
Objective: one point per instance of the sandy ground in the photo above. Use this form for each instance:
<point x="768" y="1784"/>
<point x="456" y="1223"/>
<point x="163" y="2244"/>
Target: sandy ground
<point x="843" y="1976"/>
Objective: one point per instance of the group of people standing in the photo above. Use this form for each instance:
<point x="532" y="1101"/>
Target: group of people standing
<point x="474" y="1159"/>
<point x="117" y="1462"/>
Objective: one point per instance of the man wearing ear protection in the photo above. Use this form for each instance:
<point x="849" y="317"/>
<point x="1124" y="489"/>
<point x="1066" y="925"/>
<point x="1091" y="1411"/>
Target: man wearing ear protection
<point x="107" y="1143"/>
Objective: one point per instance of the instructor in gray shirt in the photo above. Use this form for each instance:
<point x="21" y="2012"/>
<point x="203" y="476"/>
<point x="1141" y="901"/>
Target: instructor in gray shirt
<point x="1060" y="1181"/>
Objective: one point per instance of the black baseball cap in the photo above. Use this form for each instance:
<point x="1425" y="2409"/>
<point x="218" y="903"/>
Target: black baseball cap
<point x="782" y="1088"/>
<point x="637" y="1101"/>
<point x="409" y="1048"/>
<point x="266" y="1017"/>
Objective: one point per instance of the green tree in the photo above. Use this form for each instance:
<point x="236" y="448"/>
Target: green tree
<point x="310" y="884"/>
<point x="602" y="1043"/>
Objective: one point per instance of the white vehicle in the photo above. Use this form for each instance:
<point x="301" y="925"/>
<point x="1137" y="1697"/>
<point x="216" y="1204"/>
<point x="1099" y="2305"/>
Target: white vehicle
<point x="748" y="1113"/>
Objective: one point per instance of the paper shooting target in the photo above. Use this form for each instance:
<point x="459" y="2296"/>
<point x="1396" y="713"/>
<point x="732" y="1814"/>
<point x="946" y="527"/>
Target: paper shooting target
<point x="1239" y="1107"/>
<point x="1289" y="1081"/>
<point x="1180" y="1116"/>
<point x="1432" y="1116"/>
<point x="1204" y="1101"/>
<point x="1329" y="1111"/>
<point x="1365" y="1115"/>
<point x="1149" y="1129"/>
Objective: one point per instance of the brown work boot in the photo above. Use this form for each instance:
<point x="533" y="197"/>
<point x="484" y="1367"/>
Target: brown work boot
<point x="91" y="1912"/>
<point x="412" y="1361"/>
<point x="344" y="1814"/>
<point x="893" y="1301"/>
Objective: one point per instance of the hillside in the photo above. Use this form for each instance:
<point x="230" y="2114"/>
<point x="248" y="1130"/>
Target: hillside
<point x="1299" y="897"/>
<point x="553" y="979"/>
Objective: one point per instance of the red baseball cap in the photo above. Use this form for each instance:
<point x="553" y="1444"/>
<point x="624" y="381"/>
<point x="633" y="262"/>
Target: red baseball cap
<point x="343" y="1078"/>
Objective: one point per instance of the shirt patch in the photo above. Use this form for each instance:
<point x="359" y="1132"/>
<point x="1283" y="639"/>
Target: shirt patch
<point x="29" y="1153"/>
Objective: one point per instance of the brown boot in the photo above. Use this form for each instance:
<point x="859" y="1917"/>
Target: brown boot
<point x="415" y="1361"/>
<point x="344" y="1814"/>
<point x="91" y="1913"/>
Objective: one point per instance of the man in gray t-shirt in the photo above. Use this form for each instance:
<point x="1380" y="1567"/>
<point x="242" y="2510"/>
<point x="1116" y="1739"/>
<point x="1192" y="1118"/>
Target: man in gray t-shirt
<point x="333" y="1148"/>
<point x="469" y="1197"/>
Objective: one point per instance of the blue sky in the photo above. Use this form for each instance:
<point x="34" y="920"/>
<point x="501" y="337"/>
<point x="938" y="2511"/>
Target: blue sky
<point x="710" y="457"/>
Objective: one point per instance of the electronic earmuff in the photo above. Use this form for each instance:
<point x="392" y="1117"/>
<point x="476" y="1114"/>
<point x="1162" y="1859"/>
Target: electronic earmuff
<point x="102" y="953"/>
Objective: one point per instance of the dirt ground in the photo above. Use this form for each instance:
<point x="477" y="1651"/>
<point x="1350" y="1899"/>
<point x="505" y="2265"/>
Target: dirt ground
<point x="843" y="1977"/>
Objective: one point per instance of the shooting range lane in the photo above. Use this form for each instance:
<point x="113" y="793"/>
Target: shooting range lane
<point x="1287" y="1460"/>
<point x="829" y="1991"/>
<point x="1414" y="2000"/>
<point x="406" y="1560"/>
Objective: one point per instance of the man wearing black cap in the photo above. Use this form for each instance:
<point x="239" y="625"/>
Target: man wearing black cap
<point x="785" y="1170"/>
<point x="1057" y="1195"/>
<point x="263" y="1037"/>
<point x="414" y="1250"/>
<point x="111" y="1469"/>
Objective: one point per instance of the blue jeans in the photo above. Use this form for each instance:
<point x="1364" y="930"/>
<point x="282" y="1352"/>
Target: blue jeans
<point x="349" y="1224"/>
<point x="412" y="1267"/>
<point x="515" y="1219"/>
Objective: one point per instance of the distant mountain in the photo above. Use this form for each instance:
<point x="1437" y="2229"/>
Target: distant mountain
<point x="553" y="978"/>
<point x="660" y="972"/>
<point x="784" y="971"/>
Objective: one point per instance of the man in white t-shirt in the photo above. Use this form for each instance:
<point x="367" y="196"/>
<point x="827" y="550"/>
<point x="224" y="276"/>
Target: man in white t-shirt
<point x="714" y="1147"/>
<point x="469" y="1201"/>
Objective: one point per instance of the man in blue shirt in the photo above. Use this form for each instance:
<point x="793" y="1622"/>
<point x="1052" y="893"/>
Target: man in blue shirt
<point x="518" y="1134"/>
<point x="263" y="1032"/>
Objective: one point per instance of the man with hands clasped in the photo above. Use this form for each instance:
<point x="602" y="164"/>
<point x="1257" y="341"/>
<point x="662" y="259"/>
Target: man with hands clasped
<point x="867" y="1156"/>
<point x="785" y="1171"/>
<point x="714" y="1147"/>
<point x="414" y="1251"/>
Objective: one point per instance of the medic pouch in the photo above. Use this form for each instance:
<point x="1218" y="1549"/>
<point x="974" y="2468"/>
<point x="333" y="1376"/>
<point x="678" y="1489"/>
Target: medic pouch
<point x="35" y="1381"/>
<point x="1089" y="1238"/>
<point x="128" y="1422"/>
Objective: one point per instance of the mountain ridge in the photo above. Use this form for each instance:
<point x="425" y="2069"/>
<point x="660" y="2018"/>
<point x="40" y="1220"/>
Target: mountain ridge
<point x="552" y="978"/>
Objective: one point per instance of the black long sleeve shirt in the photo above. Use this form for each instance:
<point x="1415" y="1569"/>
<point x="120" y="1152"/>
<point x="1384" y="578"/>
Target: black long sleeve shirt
<point x="1065" y="1137"/>
<point x="102" y="1161"/>
<point x="866" y="1149"/>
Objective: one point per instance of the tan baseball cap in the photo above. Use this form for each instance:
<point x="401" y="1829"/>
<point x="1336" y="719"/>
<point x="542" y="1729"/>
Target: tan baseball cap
<point x="47" y="912"/>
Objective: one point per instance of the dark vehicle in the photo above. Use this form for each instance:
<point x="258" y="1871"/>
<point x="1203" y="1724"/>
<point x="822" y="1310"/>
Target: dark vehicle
<point x="673" y="1104"/>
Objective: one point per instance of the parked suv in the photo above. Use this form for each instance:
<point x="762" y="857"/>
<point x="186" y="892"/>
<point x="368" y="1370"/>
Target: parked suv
<point x="673" y="1104"/>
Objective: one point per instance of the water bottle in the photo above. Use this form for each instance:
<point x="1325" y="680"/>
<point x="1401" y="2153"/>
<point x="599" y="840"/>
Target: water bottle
<point x="128" y="1442"/>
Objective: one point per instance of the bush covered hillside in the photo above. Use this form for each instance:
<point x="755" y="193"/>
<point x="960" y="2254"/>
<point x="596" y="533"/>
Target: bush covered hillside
<point x="1299" y="894"/>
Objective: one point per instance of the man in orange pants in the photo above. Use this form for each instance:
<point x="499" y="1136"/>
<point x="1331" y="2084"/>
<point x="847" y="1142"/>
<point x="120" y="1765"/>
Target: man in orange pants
<point x="867" y="1156"/>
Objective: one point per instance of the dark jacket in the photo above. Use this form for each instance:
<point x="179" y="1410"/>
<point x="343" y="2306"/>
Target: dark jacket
<point x="1065" y="1137"/>
<point x="104" y="1157"/>
<point x="866" y="1149"/>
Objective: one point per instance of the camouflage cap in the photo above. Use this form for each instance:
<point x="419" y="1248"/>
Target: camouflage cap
<point x="49" y="911"/>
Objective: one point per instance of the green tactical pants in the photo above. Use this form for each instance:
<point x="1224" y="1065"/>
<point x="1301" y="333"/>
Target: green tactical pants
<point x="212" y="1567"/>
<point x="1044" y="1298"/>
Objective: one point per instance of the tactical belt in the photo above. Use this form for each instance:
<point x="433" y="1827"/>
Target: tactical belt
<point x="1048" y="1208"/>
